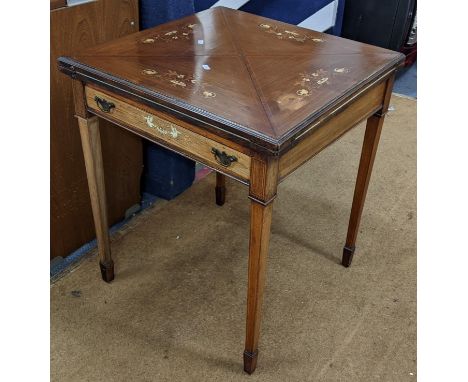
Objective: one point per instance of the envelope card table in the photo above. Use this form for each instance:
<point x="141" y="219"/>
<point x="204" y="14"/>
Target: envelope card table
<point x="250" y="97"/>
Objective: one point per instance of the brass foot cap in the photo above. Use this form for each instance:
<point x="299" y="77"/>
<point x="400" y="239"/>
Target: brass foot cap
<point x="107" y="271"/>
<point x="348" y="253"/>
<point x="250" y="361"/>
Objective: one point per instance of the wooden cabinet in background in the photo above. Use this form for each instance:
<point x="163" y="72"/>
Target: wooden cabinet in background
<point x="73" y="29"/>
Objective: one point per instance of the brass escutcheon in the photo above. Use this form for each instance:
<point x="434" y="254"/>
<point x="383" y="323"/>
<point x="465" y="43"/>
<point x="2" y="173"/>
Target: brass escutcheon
<point x="222" y="158"/>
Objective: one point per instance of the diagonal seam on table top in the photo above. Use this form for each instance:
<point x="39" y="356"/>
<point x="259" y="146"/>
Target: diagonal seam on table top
<point x="333" y="100"/>
<point x="71" y="61"/>
<point x="265" y="107"/>
<point x="246" y="59"/>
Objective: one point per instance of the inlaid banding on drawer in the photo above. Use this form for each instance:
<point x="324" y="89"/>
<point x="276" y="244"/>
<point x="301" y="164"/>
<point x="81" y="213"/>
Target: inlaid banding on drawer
<point x="172" y="135"/>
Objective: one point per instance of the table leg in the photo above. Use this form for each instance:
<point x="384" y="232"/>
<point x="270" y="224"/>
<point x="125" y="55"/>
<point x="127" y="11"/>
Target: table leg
<point x="260" y="222"/>
<point x="220" y="189"/>
<point x="91" y="143"/>
<point x="262" y="192"/>
<point x="369" y="149"/>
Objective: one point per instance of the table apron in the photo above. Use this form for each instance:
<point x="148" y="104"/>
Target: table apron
<point x="327" y="132"/>
<point x="170" y="135"/>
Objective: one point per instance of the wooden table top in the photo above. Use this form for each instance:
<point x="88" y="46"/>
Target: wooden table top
<point x="244" y="76"/>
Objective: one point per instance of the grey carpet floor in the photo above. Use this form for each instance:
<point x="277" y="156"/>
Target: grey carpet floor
<point x="176" y="310"/>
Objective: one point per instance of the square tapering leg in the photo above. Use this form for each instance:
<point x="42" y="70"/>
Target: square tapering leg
<point x="369" y="149"/>
<point x="91" y="142"/>
<point x="263" y="184"/>
<point x="260" y="223"/>
<point x="220" y="189"/>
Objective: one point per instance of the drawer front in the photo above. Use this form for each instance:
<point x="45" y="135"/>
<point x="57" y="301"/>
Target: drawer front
<point x="169" y="134"/>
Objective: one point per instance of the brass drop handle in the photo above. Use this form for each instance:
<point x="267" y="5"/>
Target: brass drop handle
<point x="222" y="158"/>
<point x="104" y="105"/>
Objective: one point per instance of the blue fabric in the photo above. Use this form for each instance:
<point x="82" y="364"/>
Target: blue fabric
<point x="201" y="5"/>
<point x="336" y="30"/>
<point x="155" y="12"/>
<point x="165" y="174"/>
<point x="288" y="11"/>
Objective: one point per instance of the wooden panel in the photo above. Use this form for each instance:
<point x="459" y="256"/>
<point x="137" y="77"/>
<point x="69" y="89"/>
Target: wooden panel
<point x="324" y="134"/>
<point x="73" y="29"/>
<point x="121" y="18"/>
<point x="54" y="4"/>
<point x="169" y="134"/>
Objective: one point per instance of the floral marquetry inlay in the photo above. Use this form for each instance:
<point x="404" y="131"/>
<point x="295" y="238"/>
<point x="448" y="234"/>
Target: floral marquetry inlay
<point x="315" y="80"/>
<point x="184" y="32"/>
<point x="162" y="127"/>
<point x="149" y="71"/>
<point x="286" y="34"/>
<point x="181" y="80"/>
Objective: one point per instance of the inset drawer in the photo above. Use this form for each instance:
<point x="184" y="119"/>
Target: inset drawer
<point x="169" y="134"/>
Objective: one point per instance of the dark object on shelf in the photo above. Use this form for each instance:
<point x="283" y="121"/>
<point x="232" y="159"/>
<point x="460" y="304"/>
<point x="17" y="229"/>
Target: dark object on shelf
<point x="166" y="174"/>
<point x="410" y="47"/>
<point x="389" y="24"/>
